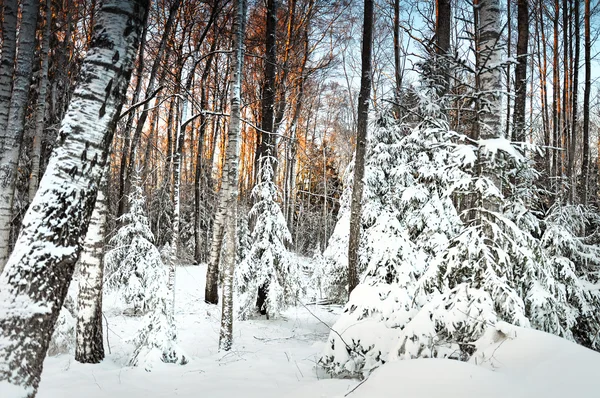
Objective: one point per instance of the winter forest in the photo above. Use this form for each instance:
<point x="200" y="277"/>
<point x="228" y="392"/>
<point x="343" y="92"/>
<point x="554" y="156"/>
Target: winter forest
<point x="299" y="198"/>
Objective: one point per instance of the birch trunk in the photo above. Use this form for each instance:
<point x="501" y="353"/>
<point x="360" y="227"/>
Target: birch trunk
<point x="489" y="54"/>
<point x="89" y="346"/>
<point x="10" y="144"/>
<point x="7" y="62"/>
<point x="230" y="196"/>
<point x="34" y="284"/>
<point x="200" y="157"/>
<point x="40" y="109"/>
<point x="361" y="146"/>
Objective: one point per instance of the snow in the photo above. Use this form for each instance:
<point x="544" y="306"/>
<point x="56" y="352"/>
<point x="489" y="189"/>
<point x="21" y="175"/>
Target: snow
<point x="276" y="358"/>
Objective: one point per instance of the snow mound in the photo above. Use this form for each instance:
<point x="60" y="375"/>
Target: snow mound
<point x="516" y="362"/>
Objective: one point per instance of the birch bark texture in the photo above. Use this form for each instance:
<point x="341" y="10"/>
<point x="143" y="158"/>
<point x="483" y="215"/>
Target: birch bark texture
<point x="34" y="284"/>
<point x="89" y="346"/>
<point x="229" y="198"/>
<point x="7" y="60"/>
<point x="361" y="147"/>
<point x="40" y="108"/>
<point x="11" y="137"/>
<point x="489" y="101"/>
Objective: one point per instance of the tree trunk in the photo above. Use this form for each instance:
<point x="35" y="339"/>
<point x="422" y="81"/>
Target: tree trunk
<point x="199" y="156"/>
<point x="267" y="136"/>
<point x="229" y="199"/>
<point x="521" y="71"/>
<point x="586" y="102"/>
<point x="124" y="187"/>
<point x="40" y="109"/>
<point x="139" y="72"/>
<point x="488" y="101"/>
<point x="89" y="346"/>
<point x="7" y="62"/>
<point x="442" y="36"/>
<point x="361" y="146"/>
<point x="575" y="99"/>
<point x="13" y="135"/>
<point x="35" y="282"/>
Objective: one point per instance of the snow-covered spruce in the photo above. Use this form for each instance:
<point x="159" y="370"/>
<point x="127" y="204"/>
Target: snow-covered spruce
<point x="53" y="227"/>
<point x="133" y="266"/>
<point x="408" y="219"/>
<point x="268" y="279"/>
<point x="156" y="341"/>
<point x="450" y="281"/>
<point x="330" y="274"/>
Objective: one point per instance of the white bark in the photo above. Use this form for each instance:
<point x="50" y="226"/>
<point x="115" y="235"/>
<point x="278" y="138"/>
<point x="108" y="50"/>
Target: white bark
<point x="34" y="284"/>
<point x="11" y="137"/>
<point x="232" y="158"/>
<point x="490" y="59"/>
<point x="7" y="62"/>
<point x="489" y="108"/>
<point x="40" y="110"/>
<point x="89" y="344"/>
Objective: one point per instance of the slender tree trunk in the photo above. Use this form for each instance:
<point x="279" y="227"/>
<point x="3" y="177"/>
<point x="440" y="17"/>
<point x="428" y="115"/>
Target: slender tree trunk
<point x="139" y="72"/>
<point x="397" y="55"/>
<point x="489" y="53"/>
<point x="575" y="99"/>
<point x="521" y="70"/>
<point x="40" y="109"/>
<point x="34" y="284"/>
<point x="199" y="156"/>
<point x="267" y="141"/>
<point x="586" y="103"/>
<point x="13" y="135"/>
<point x="555" y="94"/>
<point x="124" y="187"/>
<point x="229" y="199"/>
<point x="89" y="346"/>
<point x="7" y="61"/>
<point x="361" y="146"/>
<point x="443" y="13"/>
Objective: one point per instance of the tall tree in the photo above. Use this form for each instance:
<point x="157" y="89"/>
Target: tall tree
<point x="11" y="137"/>
<point x="89" y="346"/>
<point x="361" y="145"/>
<point x="521" y="70"/>
<point x="130" y="149"/>
<point x="34" y="283"/>
<point x="489" y="86"/>
<point x="7" y="60"/>
<point x="585" y="167"/>
<point x="229" y="193"/>
<point x="40" y="108"/>
<point x="267" y="137"/>
<point x="442" y="37"/>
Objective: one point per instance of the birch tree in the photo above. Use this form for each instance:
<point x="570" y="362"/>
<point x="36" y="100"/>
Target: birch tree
<point x="229" y="197"/>
<point x="489" y="85"/>
<point x="34" y="284"/>
<point x="40" y="108"/>
<point x="89" y="346"/>
<point x="10" y="144"/>
<point x="7" y="60"/>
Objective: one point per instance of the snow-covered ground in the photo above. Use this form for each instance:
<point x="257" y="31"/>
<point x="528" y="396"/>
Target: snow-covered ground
<point x="276" y="358"/>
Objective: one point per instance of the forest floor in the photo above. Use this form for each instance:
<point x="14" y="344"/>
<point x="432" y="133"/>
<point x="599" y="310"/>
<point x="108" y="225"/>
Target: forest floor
<point x="277" y="358"/>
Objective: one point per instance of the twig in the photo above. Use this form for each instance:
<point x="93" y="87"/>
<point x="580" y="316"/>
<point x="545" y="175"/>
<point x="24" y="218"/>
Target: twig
<point x="333" y="330"/>
<point x="141" y="103"/>
<point x="355" y="387"/>
<point x="107" y="340"/>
